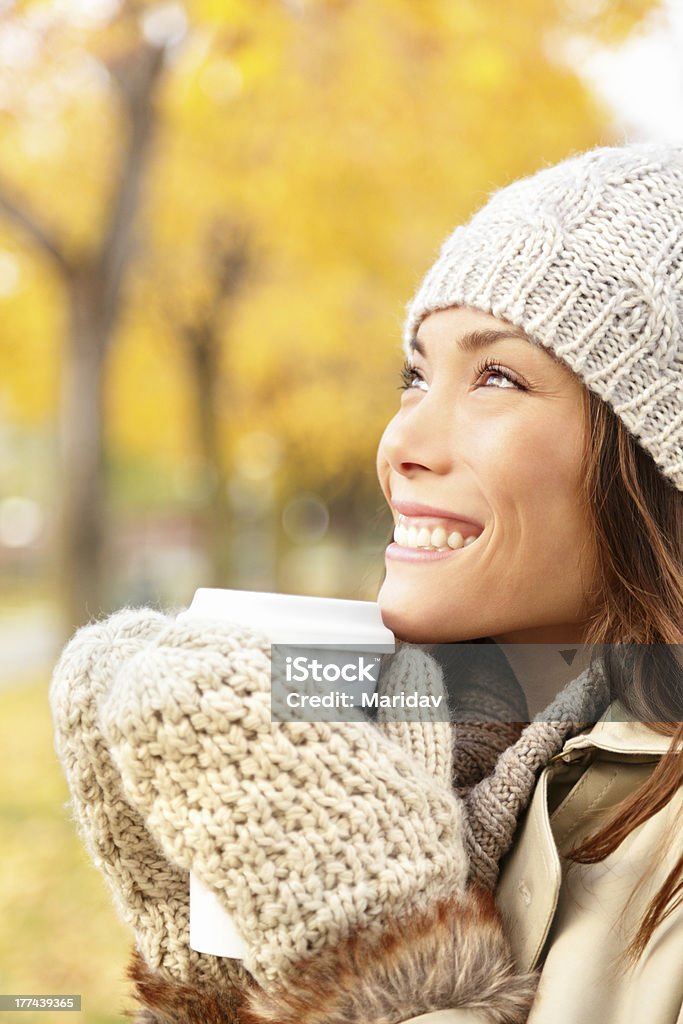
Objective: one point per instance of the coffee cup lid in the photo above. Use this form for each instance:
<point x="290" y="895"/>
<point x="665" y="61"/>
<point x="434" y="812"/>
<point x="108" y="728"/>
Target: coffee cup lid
<point x="297" y="619"/>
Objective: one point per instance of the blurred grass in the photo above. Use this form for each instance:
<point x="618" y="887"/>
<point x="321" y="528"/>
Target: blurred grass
<point x="59" y="933"/>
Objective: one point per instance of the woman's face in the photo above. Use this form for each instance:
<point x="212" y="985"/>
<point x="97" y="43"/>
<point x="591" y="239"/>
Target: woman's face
<point x="494" y="455"/>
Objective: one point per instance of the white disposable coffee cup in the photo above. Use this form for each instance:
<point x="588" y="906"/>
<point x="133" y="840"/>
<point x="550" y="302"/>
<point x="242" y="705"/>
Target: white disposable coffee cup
<point x="293" y="620"/>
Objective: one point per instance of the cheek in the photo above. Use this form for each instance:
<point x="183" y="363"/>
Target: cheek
<point x="555" y="525"/>
<point x="382" y="462"/>
<point x="533" y="476"/>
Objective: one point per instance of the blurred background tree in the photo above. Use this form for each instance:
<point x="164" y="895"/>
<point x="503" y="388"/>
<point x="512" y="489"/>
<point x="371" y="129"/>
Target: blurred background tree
<point x="212" y="215"/>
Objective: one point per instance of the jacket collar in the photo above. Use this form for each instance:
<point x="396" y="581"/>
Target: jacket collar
<point x="617" y="731"/>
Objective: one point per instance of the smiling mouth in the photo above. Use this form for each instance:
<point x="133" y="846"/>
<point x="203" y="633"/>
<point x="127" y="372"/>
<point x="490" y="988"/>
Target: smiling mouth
<point x="421" y="533"/>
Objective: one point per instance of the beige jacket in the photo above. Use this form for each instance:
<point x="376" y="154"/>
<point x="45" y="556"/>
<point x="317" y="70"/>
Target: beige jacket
<point x="567" y="924"/>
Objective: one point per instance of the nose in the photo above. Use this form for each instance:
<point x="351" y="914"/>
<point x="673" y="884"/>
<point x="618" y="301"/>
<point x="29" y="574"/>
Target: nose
<point x="419" y="437"/>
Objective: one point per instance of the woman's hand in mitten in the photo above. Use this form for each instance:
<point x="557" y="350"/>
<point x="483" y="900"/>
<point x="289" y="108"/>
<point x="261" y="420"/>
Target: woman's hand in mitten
<point x="150" y="892"/>
<point x="338" y="854"/>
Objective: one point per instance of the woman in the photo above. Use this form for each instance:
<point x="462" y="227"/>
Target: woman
<point x="534" y="472"/>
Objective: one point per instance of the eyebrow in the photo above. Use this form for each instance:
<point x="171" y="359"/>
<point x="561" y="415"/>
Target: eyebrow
<point x="474" y="341"/>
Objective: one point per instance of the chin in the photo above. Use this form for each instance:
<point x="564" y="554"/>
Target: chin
<point x="412" y="629"/>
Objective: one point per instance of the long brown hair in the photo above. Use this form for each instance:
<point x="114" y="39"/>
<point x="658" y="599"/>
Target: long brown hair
<point x="638" y="522"/>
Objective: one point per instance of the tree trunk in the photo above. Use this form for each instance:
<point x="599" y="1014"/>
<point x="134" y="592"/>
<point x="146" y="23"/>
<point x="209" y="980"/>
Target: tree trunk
<point x="217" y="512"/>
<point x="81" y="526"/>
<point x="94" y="284"/>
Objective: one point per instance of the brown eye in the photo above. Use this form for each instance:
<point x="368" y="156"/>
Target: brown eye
<point x="409" y="377"/>
<point x="496" y="370"/>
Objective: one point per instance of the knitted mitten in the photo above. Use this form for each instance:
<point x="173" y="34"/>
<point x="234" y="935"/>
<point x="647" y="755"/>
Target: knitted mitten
<point x="150" y="892"/>
<point x="429" y="736"/>
<point x="338" y="853"/>
<point x="357" y="978"/>
<point x="308" y="830"/>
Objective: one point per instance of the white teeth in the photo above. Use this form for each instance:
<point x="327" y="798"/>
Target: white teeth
<point x="412" y="537"/>
<point x="439" y="537"/>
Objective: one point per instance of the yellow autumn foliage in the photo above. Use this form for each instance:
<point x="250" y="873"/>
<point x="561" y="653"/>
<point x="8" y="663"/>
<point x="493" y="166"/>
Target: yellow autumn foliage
<point x="346" y="137"/>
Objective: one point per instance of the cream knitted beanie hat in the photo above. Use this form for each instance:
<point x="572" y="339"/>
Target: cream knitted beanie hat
<point x="587" y="258"/>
